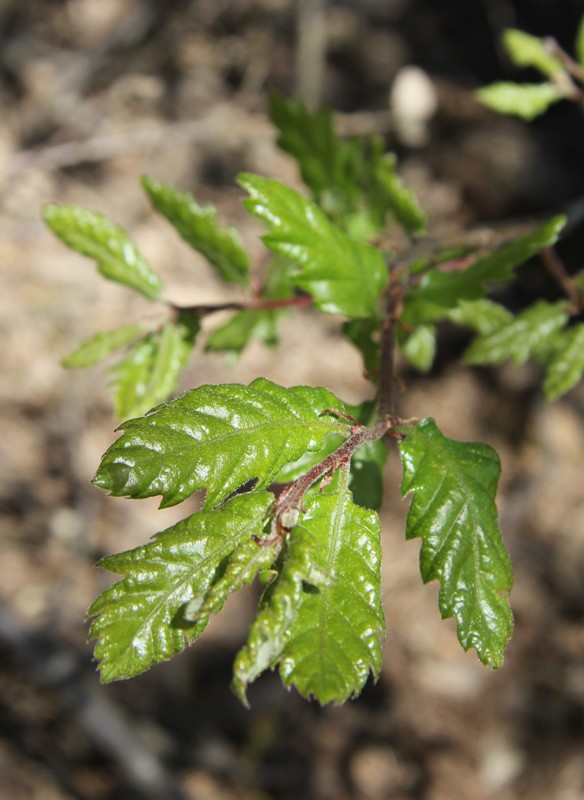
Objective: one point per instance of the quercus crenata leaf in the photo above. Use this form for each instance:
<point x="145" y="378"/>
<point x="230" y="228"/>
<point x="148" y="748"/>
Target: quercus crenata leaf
<point x="420" y="347"/>
<point x="439" y="292"/>
<point x="520" y="337"/>
<point x="321" y="621"/>
<point x="93" y="235"/>
<point x="101" y="345"/>
<point x="388" y="193"/>
<point x="217" y="438"/>
<point x="198" y="226"/>
<point x="150" y="372"/>
<point x="244" y="326"/>
<point x="530" y="51"/>
<point x="140" y="620"/>
<point x="343" y="275"/>
<point x="525" y="100"/>
<point x="565" y="363"/>
<point x="453" y="511"/>
<point x="483" y="316"/>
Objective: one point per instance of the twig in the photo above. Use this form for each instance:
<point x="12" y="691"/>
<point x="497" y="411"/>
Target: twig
<point x="556" y="268"/>
<point x="260" y="304"/>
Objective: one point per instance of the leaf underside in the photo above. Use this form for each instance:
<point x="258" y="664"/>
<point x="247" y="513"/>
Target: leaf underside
<point x="453" y="511"/>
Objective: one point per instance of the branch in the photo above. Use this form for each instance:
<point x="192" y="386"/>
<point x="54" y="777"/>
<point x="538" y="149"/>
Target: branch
<point x="261" y="304"/>
<point x="556" y="268"/>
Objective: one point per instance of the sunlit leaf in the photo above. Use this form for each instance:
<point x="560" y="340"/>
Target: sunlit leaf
<point x="98" y="347"/>
<point x="565" y="366"/>
<point x="530" y="51"/>
<point x="525" y="100"/>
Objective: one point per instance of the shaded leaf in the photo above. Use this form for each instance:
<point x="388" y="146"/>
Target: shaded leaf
<point x="98" y="347"/>
<point x="217" y="438"/>
<point x="364" y="334"/>
<point x="520" y="337"/>
<point x="198" y="226"/>
<point x="388" y="193"/>
<point x="420" y="347"/>
<point x="530" y="51"/>
<point x="579" y="43"/>
<point x="138" y="620"/>
<point x="93" y="235"/>
<point x="344" y="276"/>
<point x="525" y="100"/>
<point x="234" y="335"/>
<point x="453" y="511"/>
<point x="368" y="462"/>
<point x="150" y="373"/>
<point x="565" y="366"/>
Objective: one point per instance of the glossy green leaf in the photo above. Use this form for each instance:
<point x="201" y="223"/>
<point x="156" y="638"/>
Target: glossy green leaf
<point x="344" y="276"/>
<point x="151" y="371"/>
<point x="530" y="51"/>
<point x="439" y="292"/>
<point x="98" y="347"/>
<point x="525" y="100"/>
<point x="198" y="226"/>
<point x="420" y="347"/>
<point x="579" y="43"/>
<point x="565" y="366"/>
<point x="244" y="326"/>
<point x="483" y="316"/>
<point x="322" y="619"/>
<point x="335" y="641"/>
<point x="521" y="337"/>
<point x="94" y="236"/>
<point x="453" y="511"/>
<point x="139" y="621"/>
<point x="217" y="438"/>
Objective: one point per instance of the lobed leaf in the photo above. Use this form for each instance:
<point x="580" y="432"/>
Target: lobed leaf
<point x="139" y="621"/>
<point x="565" y="366"/>
<point x="453" y="511"/>
<point x="94" y="236"/>
<point x="440" y="292"/>
<point x="520" y="337"/>
<point x="525" y="100"/>
<point x="217" y="438"/>
<point x="98" y="347"/>
<point x="150" y="373"/>
<point x="335" y="640"/>
<point x="526" y="50"/>
<point x="198" y="226"/>
<point x="343" y="275"/>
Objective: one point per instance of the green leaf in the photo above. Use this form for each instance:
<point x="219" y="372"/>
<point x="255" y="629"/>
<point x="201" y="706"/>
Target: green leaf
<point x="565" y="367"/>
<point x="93" y="235"/>
<point x="388" y="193"/>
<point x="98" y="347"/>
<point x="139" y="620"/>
<point x="322" y="620"/>
<point x="364" y="334"/>
<point x="453" y="511"/>
<point x="483" y="316"/>
<point x="150" y="373"/>
<point x="198" y="226"/>
<point x="525" y="100"/>
<point x="521" y="337"/>
<point x="530" y="51"/>
<point x="241" y="328"/>
<point x="343" y="276"/>
<point x="420" y="347"/>
<point x="439" y="292"/>
<point x="368" y="462"/>
<point x="579" y="44"/>
<point x="218" y="438"/>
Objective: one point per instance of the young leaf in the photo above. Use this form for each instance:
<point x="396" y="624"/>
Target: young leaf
<point x="525" y="100"/>
<point x="579" y="44"/>
<point x="453" y="511"/>
<point x="530" y="51"/>
<point x="335" y="640"/>
<point x="519" y="338"/>
<point x="388" y="193"/>
<point x="484" y="316"/>
<point x="198" y="227"/>
<point x="237" y="332"/>
<point x="98" y="347"/>
<point x="439" y="292"/>
<point x="151" y="371"/>
<point x="322" y="619"/>
<point x="217" y="438"/>
<point x="139" y="620"/>
<point x="93" y="235"/>
<point x="565" y="367"/>
<point x="420" y="347"/>
<point x="344" y="276"/>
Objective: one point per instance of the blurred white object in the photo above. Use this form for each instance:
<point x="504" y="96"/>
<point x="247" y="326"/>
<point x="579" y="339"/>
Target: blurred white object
<point x="413" y="101"/>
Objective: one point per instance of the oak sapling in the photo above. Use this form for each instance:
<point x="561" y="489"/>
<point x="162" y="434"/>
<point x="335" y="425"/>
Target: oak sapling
<point x="292" y="476"/>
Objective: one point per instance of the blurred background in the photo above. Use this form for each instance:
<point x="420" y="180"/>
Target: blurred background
<point x="95" y="94"/>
